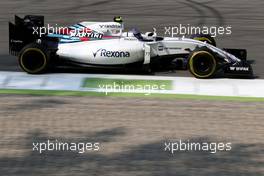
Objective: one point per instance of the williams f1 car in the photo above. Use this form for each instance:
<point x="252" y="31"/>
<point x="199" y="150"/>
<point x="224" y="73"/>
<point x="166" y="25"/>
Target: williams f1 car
<point x="105" y="44"/>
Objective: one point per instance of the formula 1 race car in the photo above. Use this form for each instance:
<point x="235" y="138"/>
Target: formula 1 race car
<point x="104" y="44"/>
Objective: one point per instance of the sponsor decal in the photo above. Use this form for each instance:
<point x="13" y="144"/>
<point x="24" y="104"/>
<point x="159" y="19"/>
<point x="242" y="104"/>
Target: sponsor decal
<point x="107" y="53"/>
<point x="110" y="26"/>
<point x="77" y="33"/>
<point x="16" y="41"/>
<point x="172" y="48"/>
<point x="160" y="48"/>
<point x="239" y="68"/>
<point x="130" y="38"/>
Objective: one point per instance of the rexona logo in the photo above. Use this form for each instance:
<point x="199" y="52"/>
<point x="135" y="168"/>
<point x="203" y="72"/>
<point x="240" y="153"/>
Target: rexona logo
<point x="106" y="53"/>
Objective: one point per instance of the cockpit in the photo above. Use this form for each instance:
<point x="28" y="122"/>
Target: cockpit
<point x="147" y="37"/>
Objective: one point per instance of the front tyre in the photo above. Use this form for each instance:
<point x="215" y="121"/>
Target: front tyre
<point x="202" y="63"/>
<point x="34" y="58"/>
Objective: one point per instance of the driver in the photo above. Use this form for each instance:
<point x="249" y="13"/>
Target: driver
<point x="148" y="37"/>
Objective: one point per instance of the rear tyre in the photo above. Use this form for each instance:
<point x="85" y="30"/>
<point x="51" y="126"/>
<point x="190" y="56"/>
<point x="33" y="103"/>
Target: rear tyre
<point x="34" y="58"/>
<point x="204" y="38"/>
<point x="202" y="63"/>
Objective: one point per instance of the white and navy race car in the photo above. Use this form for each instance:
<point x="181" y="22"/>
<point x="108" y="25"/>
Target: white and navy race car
<point x="105" y="44"/>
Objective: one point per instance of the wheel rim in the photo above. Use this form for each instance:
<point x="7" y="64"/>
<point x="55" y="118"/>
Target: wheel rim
<point x="202" y="64"/>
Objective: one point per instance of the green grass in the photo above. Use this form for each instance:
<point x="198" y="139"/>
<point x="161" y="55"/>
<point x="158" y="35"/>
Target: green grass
<point x="97" y="94"/>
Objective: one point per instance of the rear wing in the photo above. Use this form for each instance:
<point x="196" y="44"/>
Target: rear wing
<point x="21" y="32"/>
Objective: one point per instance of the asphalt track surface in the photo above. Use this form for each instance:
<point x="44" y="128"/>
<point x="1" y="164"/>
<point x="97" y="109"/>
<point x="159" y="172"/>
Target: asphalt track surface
<point x="131" y="133"/>
<point x="245" y="17"/>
